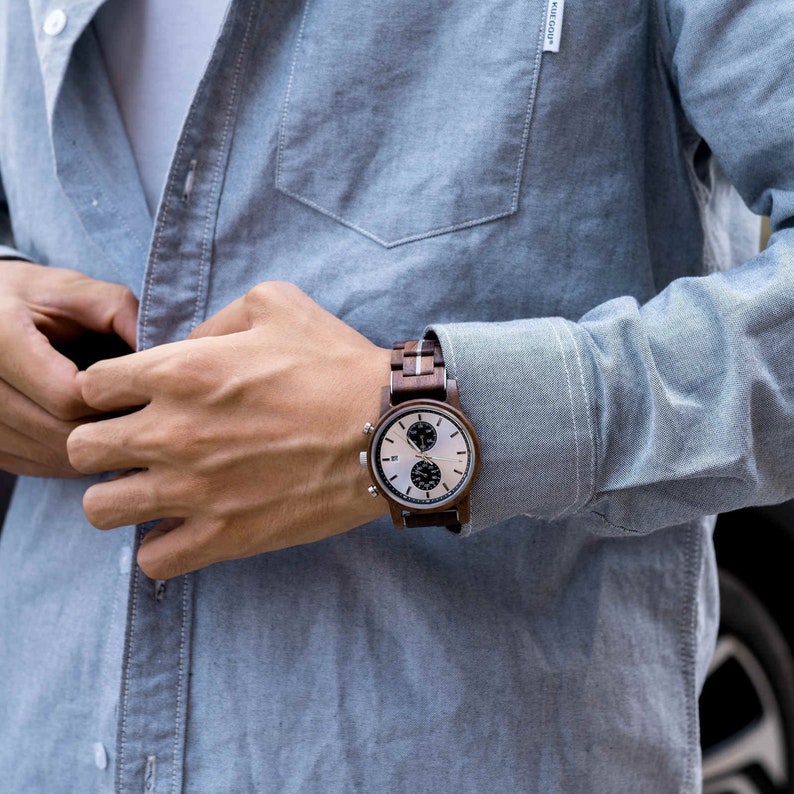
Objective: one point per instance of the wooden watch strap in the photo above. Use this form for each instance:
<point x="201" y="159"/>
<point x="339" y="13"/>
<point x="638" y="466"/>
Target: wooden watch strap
<point x="443" y="518"/>
<point x="417" y="371"/>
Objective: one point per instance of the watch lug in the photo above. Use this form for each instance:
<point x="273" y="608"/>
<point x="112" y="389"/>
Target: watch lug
<point x="396" y="514"/>
<point x="385" y="399"/>
<point x="464" y="510"/>
<point x="453" y="398"/>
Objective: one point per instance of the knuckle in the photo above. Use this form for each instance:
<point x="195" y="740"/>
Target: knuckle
<point x="259" y="294"/>
<point x="96" y="508"/>
<point x="58" y="458"/>
<point x="182" y="374"/>
<point x="90" y="383"/>
<point x="159" y="565"/>
<point x="264" y="299"/>
<point x="78" y="447"/>
<point x="111" y="504"/>
<point x="66" y="407"/>
<point x="286" y="291"/>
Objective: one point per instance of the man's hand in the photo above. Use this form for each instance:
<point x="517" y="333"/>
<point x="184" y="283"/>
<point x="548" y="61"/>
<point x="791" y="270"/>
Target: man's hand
<point x="248" y="438"/>
<point x="40" y="400"/>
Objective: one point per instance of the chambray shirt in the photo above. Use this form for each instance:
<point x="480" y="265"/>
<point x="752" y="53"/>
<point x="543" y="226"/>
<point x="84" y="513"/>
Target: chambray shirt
<point x="564" y="221"/>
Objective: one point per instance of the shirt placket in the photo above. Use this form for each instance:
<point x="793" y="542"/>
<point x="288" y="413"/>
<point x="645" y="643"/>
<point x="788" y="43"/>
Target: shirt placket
<point x="155" y="691"/>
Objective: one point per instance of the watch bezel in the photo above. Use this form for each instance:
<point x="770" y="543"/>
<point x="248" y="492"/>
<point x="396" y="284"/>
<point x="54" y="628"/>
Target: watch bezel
<point x="411" y="406"/>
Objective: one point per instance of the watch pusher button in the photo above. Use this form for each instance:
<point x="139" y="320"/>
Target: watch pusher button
<point x="362" y="460"/>
<point x="368" y="429"/>
<point x="373" y="491"/>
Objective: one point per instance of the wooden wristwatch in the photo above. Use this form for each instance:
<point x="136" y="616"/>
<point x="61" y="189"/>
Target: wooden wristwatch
<point x="423" y="453"/>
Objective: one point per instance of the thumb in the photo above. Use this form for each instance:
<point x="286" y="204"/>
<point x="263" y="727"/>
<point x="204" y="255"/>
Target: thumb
<point x="99" y="306"/>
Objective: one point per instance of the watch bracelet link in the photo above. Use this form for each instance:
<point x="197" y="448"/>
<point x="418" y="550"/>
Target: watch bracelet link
<point x="417" y="371"/>
<point x="450" y="519"/>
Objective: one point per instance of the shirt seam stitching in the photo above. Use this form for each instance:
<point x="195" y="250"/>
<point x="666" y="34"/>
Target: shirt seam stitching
<point x="127" y="661"/>
<point x="180" y="673"/>
<point x="222" y="149"/>
<point x="577" y="454"/>
<point x="588" y="413"/>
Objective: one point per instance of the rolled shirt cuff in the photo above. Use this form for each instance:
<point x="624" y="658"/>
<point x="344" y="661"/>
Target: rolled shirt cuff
<point x="525" y="385"/>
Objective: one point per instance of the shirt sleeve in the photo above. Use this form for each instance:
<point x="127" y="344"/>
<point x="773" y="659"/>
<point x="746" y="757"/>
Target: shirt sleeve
<point x="640" y="417"/>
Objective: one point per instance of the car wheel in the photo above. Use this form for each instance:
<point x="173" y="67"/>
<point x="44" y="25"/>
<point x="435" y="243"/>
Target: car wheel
<point x="747" y="703"/>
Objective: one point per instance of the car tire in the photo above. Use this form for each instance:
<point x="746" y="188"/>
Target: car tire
<point x="747" y="704"/>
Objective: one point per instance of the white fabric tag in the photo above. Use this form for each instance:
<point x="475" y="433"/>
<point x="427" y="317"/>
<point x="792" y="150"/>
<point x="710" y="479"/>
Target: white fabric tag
<point x="553" y="31"/>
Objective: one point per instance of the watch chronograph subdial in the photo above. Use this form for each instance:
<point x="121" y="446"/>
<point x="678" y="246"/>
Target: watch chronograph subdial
<point x="422" y="435"/>
<point x="425" y="475"/>
<point x="423" y="457"/>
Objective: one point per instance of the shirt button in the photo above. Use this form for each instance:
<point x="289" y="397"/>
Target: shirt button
<point x="55" y="22"/>
<point x="100" y="756"/>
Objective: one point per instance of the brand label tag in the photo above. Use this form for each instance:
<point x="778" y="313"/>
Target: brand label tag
<point x="553" y="31"/>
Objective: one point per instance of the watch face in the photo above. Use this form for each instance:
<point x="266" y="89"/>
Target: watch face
<point x="423" y="456"/>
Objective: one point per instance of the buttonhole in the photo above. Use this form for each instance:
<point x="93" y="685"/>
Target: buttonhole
<point x="191" y="172"/>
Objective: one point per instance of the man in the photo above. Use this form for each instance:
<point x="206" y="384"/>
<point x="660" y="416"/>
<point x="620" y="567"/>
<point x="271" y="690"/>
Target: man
<point x="549" y="195"/>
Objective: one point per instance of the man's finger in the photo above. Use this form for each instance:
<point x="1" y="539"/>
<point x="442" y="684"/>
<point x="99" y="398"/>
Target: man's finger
<point x="95" y="305"/>
<point x="54" y="456"/>
<point x="123" y="502"/>
<point x="124" y="382"/>
<point x="29" y="468"/>
<point x="107" y="445"/>
<point x="33" y="367"/>
<point x="168" y="551"/>
<point x="31" y="420"/>
<point x="231" y="319"/>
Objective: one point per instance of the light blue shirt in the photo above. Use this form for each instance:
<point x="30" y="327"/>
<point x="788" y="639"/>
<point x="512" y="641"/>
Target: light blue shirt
<point x="560" y="221"/>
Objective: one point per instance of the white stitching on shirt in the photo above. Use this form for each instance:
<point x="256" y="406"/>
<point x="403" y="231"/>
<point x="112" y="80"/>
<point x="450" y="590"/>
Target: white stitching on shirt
<point x="573" y="417"/>
<point x="180" y="671"/>
<point x="206" y="242"/>
<point x="590" y="428"/>
<point x="126" y="690"/>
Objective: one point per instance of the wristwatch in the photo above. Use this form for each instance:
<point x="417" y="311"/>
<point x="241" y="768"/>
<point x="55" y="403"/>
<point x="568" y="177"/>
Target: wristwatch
<point x="423" y="454"/>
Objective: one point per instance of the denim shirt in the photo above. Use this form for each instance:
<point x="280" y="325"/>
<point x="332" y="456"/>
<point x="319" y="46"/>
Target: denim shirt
<point x="565" y="223"/>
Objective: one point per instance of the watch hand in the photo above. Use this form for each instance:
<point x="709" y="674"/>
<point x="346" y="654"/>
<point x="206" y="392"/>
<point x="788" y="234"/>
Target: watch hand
<point x="421" y="454"/>
<point x="438" y="457"/>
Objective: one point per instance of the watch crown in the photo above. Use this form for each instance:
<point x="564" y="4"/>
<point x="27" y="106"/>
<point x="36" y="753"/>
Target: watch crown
<point x="362" y="460"/>
<point x="373" y="491"/>
<point x="368" y="429"/>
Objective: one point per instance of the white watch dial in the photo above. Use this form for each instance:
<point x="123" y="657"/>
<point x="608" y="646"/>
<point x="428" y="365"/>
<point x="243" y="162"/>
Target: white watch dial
<point x="423" y="457"/>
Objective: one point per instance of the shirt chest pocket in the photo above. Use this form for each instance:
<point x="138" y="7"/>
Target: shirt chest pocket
<point x="405" y="120"/>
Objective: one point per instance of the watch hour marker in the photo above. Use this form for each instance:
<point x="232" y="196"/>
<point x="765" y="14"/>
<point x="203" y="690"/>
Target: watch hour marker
<point x="401" y="425"/>
<point x="420" y="417"/>
<point x="410" y="488"/>
<point x="457" y="472"/>
<point x="385" y="460"/>
<point x="390" y="440"/>
<point x="427" y="494"/>
<point x="393" y="478"/>
<point x="461" y="452"/>
<point x="440" y="420"/>
<point x="455" y="433"/>
<point x="446" y="487"/>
